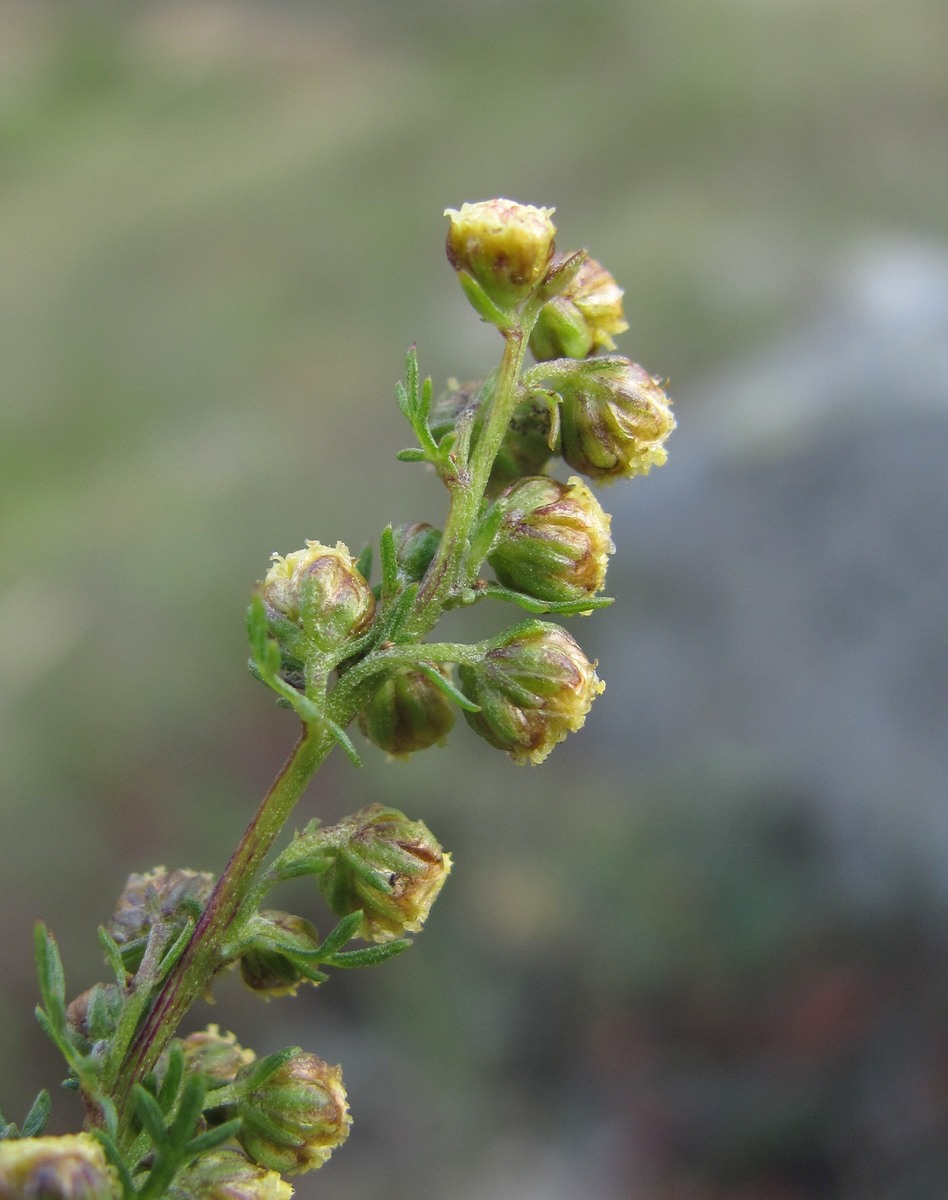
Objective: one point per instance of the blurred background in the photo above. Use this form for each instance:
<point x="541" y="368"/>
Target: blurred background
<point x="701" y="953"/>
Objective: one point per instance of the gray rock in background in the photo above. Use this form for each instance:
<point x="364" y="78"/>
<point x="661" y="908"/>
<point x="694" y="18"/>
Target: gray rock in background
<point x="788" y="579"/>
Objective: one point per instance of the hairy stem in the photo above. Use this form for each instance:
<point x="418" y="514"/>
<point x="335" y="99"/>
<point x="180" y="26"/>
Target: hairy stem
<point x="201" y="959"/>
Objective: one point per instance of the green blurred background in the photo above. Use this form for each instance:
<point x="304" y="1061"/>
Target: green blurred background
<point x="699" y="955"/>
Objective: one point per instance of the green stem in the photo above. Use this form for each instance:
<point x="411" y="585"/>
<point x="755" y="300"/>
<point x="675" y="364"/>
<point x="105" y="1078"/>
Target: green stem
<point x="201" y="959"/>
<point x="446" y="575"/>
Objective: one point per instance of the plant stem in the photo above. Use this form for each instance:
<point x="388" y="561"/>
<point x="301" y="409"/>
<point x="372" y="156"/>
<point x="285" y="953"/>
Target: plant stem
<point x="446" y="573"/>
<point x="194" y="970"/>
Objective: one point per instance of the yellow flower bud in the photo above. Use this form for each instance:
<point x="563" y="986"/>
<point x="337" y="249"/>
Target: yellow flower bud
<point x="230" y="1175"/>
<point x="295" y="1117"/>
<point x="583" y="318"/>
<point x="554" y="540"/>
<point x="343" y="605"/>
<point x="614" y="421"/>
<point x="72" y="1167"/>
<point x="504" y="246"/>
<point x="534" y="686"/>
<point x="386" y="865"/>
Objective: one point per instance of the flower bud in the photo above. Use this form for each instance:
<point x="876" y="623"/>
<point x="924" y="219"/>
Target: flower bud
<point x="553" y="541"/>
<point x="525" y="449"/>
<point x="328" y="579"/>
<point x="215" y="1054"/>
<point x="415" y="547"/>
<point x="583" y="318"/>
<point x="72" y="1167"/>
<point x="159" y="895"/>
<point x="407" y="712"/>
<point x="295" y="1117"/>
<point x="615" y="421"/>
<point x="229" y="1175"/>
<point x="504" y="246"/>
<point x="265" y="967"/>
<point x="534" y="686"/>
<point x="387" y="866"/>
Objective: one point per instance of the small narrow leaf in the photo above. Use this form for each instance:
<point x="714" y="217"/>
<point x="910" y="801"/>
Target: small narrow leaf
<point x="113" y="955"/>
<point x="35" y="1121"/>
<point x="150" y="1115"/>
<point x="344" y="932"/>
<point x="212" y="1137"/>
<point x="412" y="454"/>
<point x="450" y="689"/>
<point x="389" y="563"/>
<point x="342" y="738"/>
<point x="370" y="955"/>
<point x="364" y="561"/>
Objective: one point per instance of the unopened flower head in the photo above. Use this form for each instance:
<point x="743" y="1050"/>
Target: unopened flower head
<point x="266" y="966"/>
<point x="534" y="686"/>
<point x="294" y="1119"/>
<point x="407" y="712"/>
<point x="615" y="421"/>
<point x="229" y="1175"/>
<point x="415" y="547"/>
<point x="73" y="1167"/>
<point x="324" y="583"/>
<point x="583" y="318"/>
<point x="389" y="867"/>
<point x="172" y="897"/>
<point x="526" y="448"/>
<point x="215" y="1054"/>
<point x="554" y="540"/>
<point x="504" y="246"/>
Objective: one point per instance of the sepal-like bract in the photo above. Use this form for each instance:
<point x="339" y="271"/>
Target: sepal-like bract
<point x="583" y="318"/>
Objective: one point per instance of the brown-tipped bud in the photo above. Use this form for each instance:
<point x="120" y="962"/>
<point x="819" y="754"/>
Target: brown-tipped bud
<point x="583" y="318"/>
<point x="534" y="686"/>
<point x="266" y="967"/>
<point x="72" y="1167"/>
<point x="415" y="547"/>
<point x="389" y="867"/>
<point x="294" y="1119"/>
<point x="171" y="897"/>
<point x="504" y="246"/>
<point x="614" y="421"/>
<point x="320" y="589"/>
<point x="215" y="1054"/>
<point x="407" y="712"/>
<point x="554" y="540"/>
<point x="229" y="1175"/>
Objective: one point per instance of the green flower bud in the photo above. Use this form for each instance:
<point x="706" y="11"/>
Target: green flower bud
<point x="407" y="712"/>
<point x="342" y="601"/>
<point x="526" y="448"/>
<point x="387" y="866"/>
<point x="504" y="246"/>
<point x="215" y="1054"/>
<point x="534" y="686"/>
<point x="73" y="1167"/>
<point x="554" y="540"/>
<point x="415" y="547"/>
<point x="229" y="1175"/>
<point x="615" y="420"/>
<point x="171" y="897"/>
<point x="265" y="967"/>
<point x="583" y="318"/>
<point x="296" y="1117"/>
<point x="93" y="1014"/>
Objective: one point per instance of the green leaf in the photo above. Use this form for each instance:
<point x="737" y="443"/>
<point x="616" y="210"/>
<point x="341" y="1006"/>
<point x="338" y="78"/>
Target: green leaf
<point x="35" y="1121"/>
<point x="107" y="1141"/>
<point x="565" y="608"/>
<point x="412" y="454"/>
<point x="170" y="1085"/>
<point x="212" y="1138"/>
<point x="450" y="689"/>
<point x="389" y="563"/>
<point x="364" y="561"/>
<point x="340" y="736"/>
<point x="370" y="955"/>
<point x="482" y="543"/>
<point x="113" y="955"/>
<point x="344" y="932"/>
<point x="482" y="304"/>
<point x="150" y="1114"/>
